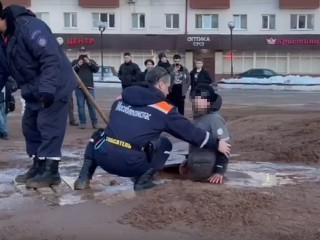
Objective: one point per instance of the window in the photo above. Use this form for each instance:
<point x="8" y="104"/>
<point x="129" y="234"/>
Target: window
<point x="240" y="22"/>
<point x="172" y="21"/>
<point x="44" y="16"/>
<point x="138" y="20"/>
<point x="106" y="18"/>
<point x="302" y="22"/>
<point x="268" y="22"/>
<point x="70" y="20"/>
<point x="207" y="21"/>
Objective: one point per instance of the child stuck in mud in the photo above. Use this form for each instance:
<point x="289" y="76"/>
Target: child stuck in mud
<point x="205" y="164"/>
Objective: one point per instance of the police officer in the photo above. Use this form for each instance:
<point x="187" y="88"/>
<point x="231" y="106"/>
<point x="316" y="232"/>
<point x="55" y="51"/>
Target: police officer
<point x="131" y="145"/>
<point x="46" y="80"/>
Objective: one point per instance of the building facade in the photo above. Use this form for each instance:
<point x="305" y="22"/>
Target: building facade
<point x="283" y="35"/>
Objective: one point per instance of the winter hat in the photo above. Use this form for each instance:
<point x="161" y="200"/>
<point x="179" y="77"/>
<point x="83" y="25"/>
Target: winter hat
<point x="161" y="55"/>
<point x="206" y="91"/>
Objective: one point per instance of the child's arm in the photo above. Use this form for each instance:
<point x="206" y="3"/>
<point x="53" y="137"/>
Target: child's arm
<point x="219" y="128"/>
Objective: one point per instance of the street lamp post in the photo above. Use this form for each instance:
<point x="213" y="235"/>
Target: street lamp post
<point x="102" y="28"/>
<point x="231" y="27"/>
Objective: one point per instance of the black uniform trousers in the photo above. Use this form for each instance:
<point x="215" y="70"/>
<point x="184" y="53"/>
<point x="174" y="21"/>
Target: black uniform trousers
<point x="44" y="128"/>
<point x="126" y="162"/>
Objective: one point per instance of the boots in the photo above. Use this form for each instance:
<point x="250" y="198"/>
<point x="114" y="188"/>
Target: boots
<point x="32" y="172"/>
<point x="145" y="181"/>
<point x="49" y="175"/>
<point x="88" y="168"/>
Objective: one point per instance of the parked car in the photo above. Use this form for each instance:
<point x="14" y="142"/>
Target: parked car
<point x="258" y="73"/>
<point x="109" y="75"/>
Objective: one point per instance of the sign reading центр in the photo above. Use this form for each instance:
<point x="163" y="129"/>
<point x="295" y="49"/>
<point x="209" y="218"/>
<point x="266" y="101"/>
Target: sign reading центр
<point x="283" y="42"/>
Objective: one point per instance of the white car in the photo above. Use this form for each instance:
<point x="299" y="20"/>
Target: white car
<point x="109" y="75"/>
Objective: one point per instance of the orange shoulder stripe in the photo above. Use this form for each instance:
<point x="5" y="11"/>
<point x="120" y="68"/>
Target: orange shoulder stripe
<point x="162" y="106"/>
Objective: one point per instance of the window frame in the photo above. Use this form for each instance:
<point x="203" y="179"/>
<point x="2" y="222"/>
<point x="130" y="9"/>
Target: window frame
<point x="107" y="24"/>
<point x="70" y="19"/>
<point x="139" y="22"/>
<point x="172" y="21"/>
<point x="268" y="22"/>
<point x="297" y="19"/>
<point x="203" y="21"/>
<point x="239" y="16"/>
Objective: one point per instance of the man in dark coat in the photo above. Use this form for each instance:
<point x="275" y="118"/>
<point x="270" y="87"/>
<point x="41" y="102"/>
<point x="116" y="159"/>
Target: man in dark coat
<point x="46" y="79"/>
<point x="199" y="75"/>
<point x="129" y="72"/>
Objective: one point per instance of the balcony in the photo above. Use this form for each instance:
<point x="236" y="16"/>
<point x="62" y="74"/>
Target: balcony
<point x="99" y="3"/>
<point x="210" y="4"/>
<point x="25" y="3"/>
<point x="299" y="4"/>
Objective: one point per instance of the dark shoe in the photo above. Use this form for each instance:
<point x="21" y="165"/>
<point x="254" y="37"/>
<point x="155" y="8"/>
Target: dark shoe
<point x="4" y="136"/>
<point x="86" y="173"/>
<point x="73" y="123"/>
<point x="32" y="172"/>
<point x="145" y="181"/>
<point x="94" y="126"/>
<point x="82" y="126"/>
<point x="49" y="176"/>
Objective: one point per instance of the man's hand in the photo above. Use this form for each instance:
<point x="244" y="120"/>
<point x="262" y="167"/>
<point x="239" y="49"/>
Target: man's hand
<point x="47" y="99"/>
<point x="224" y="148"/>
<point x="216" y="179"/>
<point x="80" y="62"/>
<point x="86" y="60"/>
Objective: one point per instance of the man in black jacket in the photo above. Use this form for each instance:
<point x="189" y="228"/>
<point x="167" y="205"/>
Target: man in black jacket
<point x="129" y="72"/>
<point x="199" y="76"/>
<point x="149" y="63"/>
<point x="85" y="67"/>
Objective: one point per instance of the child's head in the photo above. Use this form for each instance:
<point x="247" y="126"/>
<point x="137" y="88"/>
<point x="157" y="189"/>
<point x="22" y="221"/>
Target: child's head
<point x="205" y="100"/>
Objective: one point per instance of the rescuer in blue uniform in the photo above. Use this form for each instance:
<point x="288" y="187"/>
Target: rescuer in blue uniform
<point x="46" y="79"/>
<point x="131" y="145"/>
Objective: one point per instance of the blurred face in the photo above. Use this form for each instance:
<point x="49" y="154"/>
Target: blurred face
<point x="127" y="59"/>
<point x="201" y="103"/>
<point x="149" y="65"/>
<point x="199" y="64"/>
<point x="164" y="59"/>
<point x="82" y="53"/>
<point x="3" y="25"/>
<point x="177" y="61"/>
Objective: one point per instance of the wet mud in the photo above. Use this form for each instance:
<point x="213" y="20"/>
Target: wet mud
<point x="272" y="189"/>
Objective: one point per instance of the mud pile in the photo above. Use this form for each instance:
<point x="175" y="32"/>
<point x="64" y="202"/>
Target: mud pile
<point x="197" y="204"/>
<point x="277" y="137"/>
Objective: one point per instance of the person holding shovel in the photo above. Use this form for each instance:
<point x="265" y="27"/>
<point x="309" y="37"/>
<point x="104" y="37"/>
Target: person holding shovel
<point x="131" y="146"/>
<point x="46" y="79"/>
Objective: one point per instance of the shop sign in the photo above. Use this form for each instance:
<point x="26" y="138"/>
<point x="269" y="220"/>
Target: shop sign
<point x="284" y="42"/>
<point x="198" y="41"/>
<point x="80" y="41"/>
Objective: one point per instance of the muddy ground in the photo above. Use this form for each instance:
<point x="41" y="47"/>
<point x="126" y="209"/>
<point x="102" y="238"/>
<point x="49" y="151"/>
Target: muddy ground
<point x="180" y="209"/>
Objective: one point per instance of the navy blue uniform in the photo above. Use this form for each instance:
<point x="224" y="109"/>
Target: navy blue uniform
<point x="40" y="68"/>
<point x="137" y="119"/>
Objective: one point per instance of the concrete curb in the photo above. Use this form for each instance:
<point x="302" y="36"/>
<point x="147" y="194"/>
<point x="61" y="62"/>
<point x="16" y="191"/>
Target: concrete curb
<point x="280" y="87"/>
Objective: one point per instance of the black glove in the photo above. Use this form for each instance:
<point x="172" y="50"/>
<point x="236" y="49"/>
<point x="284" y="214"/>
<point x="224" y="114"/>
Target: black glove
<point x="47" y="99"/>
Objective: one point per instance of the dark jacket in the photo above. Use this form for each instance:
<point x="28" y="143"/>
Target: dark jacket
<point x="85" y="71"/>
<point x="202" y="77"/>
<point x="167" y="66"/>
<point x="142" y="76"/>
<point x="144" y="107"/>
<point x="4" y="70"/>
<point x="129" y="73"/>
<point x="35" y="59"/>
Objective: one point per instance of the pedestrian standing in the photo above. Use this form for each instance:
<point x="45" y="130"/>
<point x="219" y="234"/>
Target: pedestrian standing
<point x="129" y="72"/>
<point x="199" y="75"/>
<point x="149" y="63"/>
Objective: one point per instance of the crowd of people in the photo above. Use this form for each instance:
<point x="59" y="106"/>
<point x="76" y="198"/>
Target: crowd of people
<point x="152" y="101"/>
